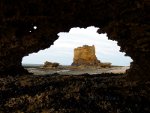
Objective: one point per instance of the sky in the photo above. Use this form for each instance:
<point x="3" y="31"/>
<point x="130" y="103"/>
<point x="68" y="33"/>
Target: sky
<point x="62" y="50"/>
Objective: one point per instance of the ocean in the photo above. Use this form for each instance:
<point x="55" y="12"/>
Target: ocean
<point x="31" y="65"/>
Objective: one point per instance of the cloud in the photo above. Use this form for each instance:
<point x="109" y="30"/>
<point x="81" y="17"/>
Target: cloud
<point x="62" y="50"/>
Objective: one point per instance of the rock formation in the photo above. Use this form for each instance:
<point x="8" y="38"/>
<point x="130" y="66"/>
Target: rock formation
<point x="50" y="65"/>
<point x="85" y="56"/>
<point x="105" y="65"/>
<point x="125" y="21"/>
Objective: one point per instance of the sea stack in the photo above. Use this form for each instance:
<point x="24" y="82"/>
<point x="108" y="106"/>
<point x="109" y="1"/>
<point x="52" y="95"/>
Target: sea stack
<point x="85" y="55"/>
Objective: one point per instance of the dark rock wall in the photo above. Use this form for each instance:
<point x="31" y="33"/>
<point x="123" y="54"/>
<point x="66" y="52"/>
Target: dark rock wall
<point x="131" y="28"/>
<point x="105" y="93"/>
<point x="126" y="21"/>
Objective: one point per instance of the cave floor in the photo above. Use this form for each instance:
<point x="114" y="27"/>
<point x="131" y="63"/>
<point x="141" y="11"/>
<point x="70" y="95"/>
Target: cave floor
<point x="55" y="93"/>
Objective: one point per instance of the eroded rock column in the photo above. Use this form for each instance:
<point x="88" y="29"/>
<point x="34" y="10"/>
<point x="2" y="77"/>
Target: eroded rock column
<point x="85" y="55"/>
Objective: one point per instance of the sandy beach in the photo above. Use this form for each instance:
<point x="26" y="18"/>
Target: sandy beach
<point x="77" y="71"/>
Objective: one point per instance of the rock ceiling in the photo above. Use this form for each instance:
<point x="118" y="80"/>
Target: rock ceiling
<point x="126" y="21"/>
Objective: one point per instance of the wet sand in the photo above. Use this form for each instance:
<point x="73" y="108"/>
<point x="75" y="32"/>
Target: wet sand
<point x="77" y="71"/>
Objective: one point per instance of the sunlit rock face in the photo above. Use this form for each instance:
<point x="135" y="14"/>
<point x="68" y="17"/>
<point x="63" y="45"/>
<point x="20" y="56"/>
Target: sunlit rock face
<point x="28" y="26"/>
<point x="85" y="56"/>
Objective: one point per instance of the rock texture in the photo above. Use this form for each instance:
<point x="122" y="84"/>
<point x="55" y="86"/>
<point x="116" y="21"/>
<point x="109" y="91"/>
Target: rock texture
<point x="125" y="21"/>
<point x="106" y="93"/>
<point x="85" y="56"/>
<point x="50" y="65"/>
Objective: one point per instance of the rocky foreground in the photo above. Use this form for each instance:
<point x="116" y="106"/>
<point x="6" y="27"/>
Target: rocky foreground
<point x="104" y="93"/>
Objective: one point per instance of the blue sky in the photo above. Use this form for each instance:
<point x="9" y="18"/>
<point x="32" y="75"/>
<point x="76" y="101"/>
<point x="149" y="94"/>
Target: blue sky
<point x="62" y="50"/>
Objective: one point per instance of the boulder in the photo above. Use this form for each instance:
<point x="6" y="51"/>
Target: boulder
<point x="50" y="65"/>
<point x="105" y="65"/>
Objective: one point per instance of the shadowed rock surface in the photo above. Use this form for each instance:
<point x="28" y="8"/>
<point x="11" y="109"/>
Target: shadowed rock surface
<point x="126" y="21"/>
<point x="105" y="93"/>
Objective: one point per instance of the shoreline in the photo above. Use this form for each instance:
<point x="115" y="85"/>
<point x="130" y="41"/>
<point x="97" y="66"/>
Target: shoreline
<point x="68" y="70"/>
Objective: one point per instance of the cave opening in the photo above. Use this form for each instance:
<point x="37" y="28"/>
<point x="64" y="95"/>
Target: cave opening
<point x="28" y="26"/>
<point x="62" y="51"/>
